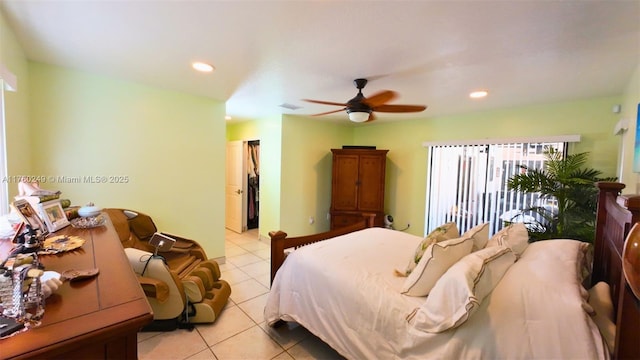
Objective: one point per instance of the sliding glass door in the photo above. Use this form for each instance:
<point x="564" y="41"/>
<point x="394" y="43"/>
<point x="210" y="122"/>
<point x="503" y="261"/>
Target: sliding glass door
<point x="467" y="184"/>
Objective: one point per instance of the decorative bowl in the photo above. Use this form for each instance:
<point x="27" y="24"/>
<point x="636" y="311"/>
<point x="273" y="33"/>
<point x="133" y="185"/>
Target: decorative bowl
<point x="89" y="210"/>
<point x="88" y="222"/>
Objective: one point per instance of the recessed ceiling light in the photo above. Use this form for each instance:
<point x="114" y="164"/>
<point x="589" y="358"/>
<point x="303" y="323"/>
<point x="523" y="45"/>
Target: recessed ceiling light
<point x="203" y="67"/>
<point x="478" y="94"/>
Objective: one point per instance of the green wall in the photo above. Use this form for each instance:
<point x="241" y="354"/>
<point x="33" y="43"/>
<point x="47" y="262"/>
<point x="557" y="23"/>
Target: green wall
<point x="306" y="172"/>
<point x="17" y="128"/>
<point x="166" y="149"/>
<point x="407" y="158"/>
<point x="270" y="173"/>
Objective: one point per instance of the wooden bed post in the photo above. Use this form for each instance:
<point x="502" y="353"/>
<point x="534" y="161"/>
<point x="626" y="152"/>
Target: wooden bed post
<point x="632" y="203"/>
<point x="370" y="219"/>
<point x="606" y="189"/>
<point x="628" y="317"/>
<point x="277" y="251"/>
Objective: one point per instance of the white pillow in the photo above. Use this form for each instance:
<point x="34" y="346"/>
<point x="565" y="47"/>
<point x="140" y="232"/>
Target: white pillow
<point x="514" y="236"/>
<point x="480" y="236"/>
<point x="443" y="232"/>
<point x="460" y="291"/>
<point x="437" y="259"/>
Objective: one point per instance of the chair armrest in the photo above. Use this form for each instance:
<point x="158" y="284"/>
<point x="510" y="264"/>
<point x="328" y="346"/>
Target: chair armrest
<point x="154" y="288"/>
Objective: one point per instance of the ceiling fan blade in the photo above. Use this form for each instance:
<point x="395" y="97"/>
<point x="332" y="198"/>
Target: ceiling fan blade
<point x="324" y="102"/>
<point x="380" y="98"/>
<point x="329" y="112"/>
<point x="399" y="108"/>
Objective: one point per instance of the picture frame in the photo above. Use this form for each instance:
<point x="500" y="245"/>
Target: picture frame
<point x="53" y="215"/>
<point x="29" y="216"/>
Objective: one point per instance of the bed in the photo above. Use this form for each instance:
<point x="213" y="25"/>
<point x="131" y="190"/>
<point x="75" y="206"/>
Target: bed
<point x="532" y="302"/>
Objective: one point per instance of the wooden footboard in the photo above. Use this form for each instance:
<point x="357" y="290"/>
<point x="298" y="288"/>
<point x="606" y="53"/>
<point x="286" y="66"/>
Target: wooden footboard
<point x="615" y="217"/>
<point x="280" y="242"/>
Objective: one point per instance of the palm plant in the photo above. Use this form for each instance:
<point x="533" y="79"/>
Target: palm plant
<point x="564" y="181"/>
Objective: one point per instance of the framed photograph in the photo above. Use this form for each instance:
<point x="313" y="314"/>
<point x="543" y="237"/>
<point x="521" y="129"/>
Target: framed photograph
<point x="53" y="215"/>
<point x="29" y="215"/>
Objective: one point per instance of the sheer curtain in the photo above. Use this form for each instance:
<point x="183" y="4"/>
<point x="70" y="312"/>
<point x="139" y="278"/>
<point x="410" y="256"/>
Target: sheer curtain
<point x="8" y="82"/>
<point x="4" y="185"/>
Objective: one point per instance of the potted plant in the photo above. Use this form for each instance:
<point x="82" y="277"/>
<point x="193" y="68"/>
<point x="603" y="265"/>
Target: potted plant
<point x="570" y="187"/>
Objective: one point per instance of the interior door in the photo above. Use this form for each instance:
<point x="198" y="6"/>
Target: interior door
<point x="235" y="205"/>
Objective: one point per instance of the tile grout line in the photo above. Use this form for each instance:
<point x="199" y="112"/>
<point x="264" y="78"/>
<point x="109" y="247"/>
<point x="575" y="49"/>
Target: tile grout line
<point x="284" y="350"/>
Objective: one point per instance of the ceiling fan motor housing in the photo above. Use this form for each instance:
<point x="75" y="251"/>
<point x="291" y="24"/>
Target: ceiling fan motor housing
<point x="356" y="104"/>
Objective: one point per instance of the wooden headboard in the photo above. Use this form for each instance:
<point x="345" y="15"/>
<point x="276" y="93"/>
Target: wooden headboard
<point x="616" y="215"/>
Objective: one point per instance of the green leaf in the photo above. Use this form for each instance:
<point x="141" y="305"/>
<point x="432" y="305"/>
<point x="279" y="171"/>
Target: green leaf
<point x="565" y="180"/>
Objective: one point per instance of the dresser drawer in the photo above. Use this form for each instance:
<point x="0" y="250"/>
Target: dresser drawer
<point x="338" y="221"/>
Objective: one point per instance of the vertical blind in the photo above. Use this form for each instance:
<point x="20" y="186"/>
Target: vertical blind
<point x="467" y="184"/>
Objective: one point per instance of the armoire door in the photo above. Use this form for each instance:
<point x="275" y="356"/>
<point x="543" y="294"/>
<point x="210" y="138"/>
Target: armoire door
<point x="345" y="182"/>
<point x="371" y="183"/>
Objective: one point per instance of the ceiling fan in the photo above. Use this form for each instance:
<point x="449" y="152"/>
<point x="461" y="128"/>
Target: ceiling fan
<point x="360" y="108"/>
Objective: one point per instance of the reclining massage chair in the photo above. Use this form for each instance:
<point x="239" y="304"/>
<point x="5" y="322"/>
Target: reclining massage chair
<point x="182" y="285"/>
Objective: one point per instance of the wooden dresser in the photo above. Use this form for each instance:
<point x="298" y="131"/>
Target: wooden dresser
<point x="357" y="186"/>
<point x="90" y="319"/>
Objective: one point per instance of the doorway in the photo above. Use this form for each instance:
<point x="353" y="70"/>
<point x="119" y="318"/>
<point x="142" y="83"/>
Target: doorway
<point x="242" y="185"/>
<point x="253" y="184"/>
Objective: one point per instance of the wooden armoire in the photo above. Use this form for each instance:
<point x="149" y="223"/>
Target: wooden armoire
<point x="357" y="185"/>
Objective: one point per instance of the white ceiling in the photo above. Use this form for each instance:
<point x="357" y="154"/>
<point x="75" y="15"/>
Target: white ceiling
<point x="268" y="53"/>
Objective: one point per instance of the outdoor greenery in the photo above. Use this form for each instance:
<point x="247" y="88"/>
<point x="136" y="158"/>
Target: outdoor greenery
<point x="570" y="187"/>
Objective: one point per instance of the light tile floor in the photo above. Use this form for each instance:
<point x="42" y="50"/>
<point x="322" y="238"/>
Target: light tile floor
<point x="240" y="332"/>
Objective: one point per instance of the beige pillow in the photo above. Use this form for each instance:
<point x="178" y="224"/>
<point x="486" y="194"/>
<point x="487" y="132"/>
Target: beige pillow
<point x="460" y="291"/>
<point x="480" y="236"/>
<point x="442" y="232"/>
<point x="437" y="259"/>
<point x="514" y="236"/>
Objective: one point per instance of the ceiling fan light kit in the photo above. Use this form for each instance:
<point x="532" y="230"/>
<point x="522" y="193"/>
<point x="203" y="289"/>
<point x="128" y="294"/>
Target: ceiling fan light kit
<point x="361" y="109"/>
<point x="358" y="116"/>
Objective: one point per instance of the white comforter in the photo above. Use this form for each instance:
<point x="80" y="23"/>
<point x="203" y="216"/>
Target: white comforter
<point x="344" y="291"/>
